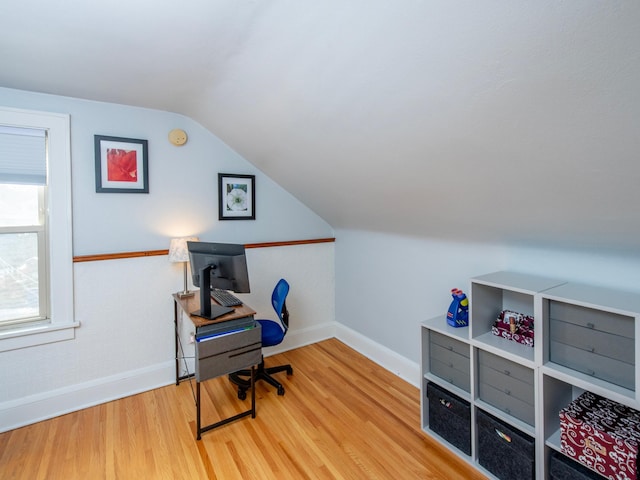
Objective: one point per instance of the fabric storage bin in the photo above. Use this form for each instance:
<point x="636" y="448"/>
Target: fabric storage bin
<point x="562" y="467"/>
<point x="601" y="434"/>
<point x="503" y="450"/>
<point x="450" y="417"/>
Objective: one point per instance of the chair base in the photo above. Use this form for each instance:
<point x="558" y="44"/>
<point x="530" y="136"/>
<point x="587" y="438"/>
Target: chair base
<point x="261" y="373"/>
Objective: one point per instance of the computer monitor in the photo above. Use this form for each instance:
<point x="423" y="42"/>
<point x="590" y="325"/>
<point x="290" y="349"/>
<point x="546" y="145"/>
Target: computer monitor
<point x="217" y="265"/>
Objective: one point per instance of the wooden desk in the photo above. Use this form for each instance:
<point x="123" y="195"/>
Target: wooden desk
<point x="224" y="345"/>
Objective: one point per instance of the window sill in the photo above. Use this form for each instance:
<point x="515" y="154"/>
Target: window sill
<point x="30" y="336"/>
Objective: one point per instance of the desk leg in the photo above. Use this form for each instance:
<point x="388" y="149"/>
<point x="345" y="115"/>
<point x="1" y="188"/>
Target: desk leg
<point x="175" y="334"/>
<point x="253" y="391"/>
<point x="198" y="429"/>
<point x="252" y="411"/>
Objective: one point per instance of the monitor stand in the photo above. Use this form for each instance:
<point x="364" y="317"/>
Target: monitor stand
<point x="207" y="310"/>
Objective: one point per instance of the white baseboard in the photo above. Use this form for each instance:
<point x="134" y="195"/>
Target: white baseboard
<point x="383" y="356"/>
<point x="42" y="406"/>
<point x="300" y="338"/>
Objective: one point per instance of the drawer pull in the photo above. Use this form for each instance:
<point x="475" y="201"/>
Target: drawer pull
<point x="507" y="373"/>
<point x="508" y="410"/>
<point x="450" y="365"/>
<point x="590" y="372"/>
<point x="591" y="349"/>
<point x="450" y="348"/>
<point x="591" y="325"/>
<point x="507" y="392"/>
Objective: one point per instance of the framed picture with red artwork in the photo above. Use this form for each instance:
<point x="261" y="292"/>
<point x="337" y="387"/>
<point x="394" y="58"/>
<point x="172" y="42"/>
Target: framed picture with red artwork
<point x="122" y="165"/>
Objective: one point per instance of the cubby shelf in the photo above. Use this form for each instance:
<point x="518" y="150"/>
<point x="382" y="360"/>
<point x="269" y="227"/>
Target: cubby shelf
<point x="601" y="325"/>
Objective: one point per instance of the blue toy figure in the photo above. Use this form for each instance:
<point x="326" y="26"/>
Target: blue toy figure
<point x="458" y="314"/>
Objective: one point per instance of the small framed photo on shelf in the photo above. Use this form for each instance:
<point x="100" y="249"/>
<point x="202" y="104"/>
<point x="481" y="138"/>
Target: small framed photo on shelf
<point x="236" y="197"/>
<point x="122" y="165"/>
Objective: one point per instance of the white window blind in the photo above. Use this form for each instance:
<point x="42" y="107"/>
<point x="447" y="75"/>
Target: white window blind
<point x="23" y="156"/>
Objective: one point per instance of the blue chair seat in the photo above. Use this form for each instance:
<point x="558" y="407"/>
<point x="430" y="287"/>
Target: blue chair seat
<point x="272" y="333"/>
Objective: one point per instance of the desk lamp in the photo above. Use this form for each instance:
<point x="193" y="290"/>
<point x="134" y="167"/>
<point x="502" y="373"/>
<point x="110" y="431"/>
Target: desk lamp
<point x="178" y="252"/>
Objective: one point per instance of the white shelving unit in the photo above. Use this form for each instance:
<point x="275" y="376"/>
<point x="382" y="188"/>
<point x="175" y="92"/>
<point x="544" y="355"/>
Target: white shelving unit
<point x="600" y="326"/>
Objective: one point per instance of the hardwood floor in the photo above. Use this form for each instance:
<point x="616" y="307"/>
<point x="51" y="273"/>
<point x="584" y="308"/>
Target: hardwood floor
<point x="342" y="417"/>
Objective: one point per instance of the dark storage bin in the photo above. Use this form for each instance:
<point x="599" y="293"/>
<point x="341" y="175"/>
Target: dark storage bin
<point x="503" y="450"/>
<point x="450" y="417"/>
<point x="562" y="467"/>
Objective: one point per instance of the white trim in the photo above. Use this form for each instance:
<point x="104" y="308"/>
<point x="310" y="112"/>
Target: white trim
<point x="32" y="335"/>
<point x="35" y="408"/>
<point x="300" y="338"/>
<point x="383" y="356"/>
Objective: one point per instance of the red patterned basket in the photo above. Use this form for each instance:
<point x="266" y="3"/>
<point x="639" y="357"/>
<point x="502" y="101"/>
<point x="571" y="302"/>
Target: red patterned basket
<point x="514" y="326"/>
<point x="601" y="434"/>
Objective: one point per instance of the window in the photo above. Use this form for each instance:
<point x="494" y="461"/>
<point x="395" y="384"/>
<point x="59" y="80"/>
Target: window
<point x="23" y="240"/>
<point x="36" y="263"/>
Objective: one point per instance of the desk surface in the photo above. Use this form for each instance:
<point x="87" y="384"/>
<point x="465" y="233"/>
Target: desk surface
<point x="192" y="304"/>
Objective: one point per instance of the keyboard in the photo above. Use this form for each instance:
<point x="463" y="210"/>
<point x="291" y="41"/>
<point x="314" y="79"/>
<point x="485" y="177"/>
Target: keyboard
<point x="225" y="298"/>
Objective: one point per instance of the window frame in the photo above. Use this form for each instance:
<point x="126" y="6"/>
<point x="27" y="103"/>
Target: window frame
<point x="61" y="323"/>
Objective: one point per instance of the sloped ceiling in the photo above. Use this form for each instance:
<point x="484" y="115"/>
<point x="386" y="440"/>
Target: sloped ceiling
<point x="500" y="121"/>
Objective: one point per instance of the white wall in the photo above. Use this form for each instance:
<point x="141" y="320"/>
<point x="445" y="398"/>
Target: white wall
<point x="386" y="285"/>
<point x="125" y="342"/>
<point x="183" y="187"/>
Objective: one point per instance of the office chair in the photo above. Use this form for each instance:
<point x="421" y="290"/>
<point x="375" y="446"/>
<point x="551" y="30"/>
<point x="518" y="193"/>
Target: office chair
<point x="272" y="334"/>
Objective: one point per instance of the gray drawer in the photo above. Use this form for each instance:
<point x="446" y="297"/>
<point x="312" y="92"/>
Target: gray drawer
<point x="228" y="353"/>
<point x="509" y="385"/>
<point x="604" y="368"/>
<point x="507" y="367"/>
<point x="614" y="323"/>
<point x="448" y="373"/>
<point x="595" y="341"/>
<point x="448" y="343"/>
<point x="453" y="359"/>
<point x="506" y="385"/>
<point x="507" y="403"/>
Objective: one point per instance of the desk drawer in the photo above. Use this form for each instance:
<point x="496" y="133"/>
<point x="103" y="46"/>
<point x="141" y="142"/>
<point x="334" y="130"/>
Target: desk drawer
<point x="228" y="353"/>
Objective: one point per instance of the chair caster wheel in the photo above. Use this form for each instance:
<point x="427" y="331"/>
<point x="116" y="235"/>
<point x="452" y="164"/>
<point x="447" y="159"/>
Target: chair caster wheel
<point x="242" y="394"/>
<point x="280" y="390"/>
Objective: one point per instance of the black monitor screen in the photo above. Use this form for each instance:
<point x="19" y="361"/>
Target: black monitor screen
<point x="218" y="265"/>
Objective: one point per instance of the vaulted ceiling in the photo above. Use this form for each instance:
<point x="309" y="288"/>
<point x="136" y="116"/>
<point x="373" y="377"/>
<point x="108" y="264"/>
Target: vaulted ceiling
<point x="489" y="120"/>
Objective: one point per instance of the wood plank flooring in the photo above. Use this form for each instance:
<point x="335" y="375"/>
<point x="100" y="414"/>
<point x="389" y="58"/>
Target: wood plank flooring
<point x="342" y="417"/>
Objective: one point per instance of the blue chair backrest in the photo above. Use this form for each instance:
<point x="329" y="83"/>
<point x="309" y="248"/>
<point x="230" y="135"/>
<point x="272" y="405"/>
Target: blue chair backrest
<point x="278" y="300"/>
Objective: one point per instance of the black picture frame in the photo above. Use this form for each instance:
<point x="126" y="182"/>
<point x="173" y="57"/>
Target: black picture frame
<point x="236" y="197"/>
<point x="122" y="165"/>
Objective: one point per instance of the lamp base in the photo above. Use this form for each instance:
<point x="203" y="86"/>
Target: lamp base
<point x="186" y="294"/>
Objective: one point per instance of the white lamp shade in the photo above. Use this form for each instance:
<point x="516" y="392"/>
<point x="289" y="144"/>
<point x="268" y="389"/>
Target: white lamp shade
<point x="178" y="251"/>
